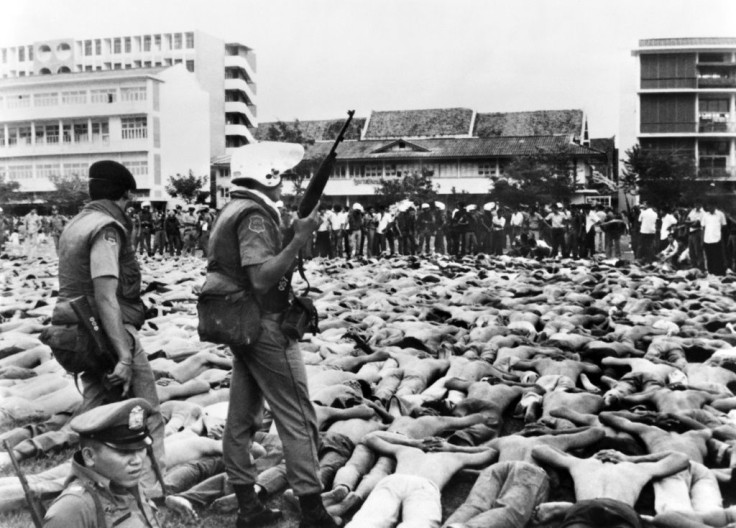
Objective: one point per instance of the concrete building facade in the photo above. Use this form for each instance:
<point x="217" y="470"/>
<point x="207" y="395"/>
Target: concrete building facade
<point x="225" y="70"/>
<point x="60" y="124"/>
<point x="687" y="102"/>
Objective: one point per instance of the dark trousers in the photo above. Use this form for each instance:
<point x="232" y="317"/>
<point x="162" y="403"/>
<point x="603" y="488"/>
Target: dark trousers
<point x="714" y="258"/>
<point x="647" y="247"/>
<point x="558" y="241"/>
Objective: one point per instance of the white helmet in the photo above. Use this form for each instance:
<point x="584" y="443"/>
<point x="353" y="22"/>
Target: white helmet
<point x="264" y="162"/>
<point x="357" y="207"/>
<point x="146" y="204"/>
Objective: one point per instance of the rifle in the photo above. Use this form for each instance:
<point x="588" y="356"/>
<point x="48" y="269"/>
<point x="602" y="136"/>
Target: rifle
<point x="318" y="182"/>
<point x="34" y="503"/>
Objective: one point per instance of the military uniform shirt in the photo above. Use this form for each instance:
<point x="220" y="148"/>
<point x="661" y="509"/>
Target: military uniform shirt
<point x="259" y="239"/>
<point x="105" y="254"/>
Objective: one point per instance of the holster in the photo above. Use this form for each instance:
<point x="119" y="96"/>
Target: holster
<point x="301" y="317"/>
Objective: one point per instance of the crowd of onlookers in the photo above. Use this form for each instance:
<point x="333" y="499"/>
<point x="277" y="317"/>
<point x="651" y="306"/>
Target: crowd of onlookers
<point x="702" y="237"/>
<point x="676" y="237"/>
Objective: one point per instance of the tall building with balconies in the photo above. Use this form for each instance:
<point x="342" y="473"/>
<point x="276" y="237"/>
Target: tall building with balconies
<point x="687" y="101"/>
<point x="58" y="125"/>
<point x="226" y="70"/>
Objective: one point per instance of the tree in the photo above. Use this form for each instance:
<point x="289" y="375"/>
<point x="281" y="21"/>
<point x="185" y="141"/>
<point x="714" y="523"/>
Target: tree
<point x="416" y="186"/>
<point x="72" y="191"/>
<point x="662" y="178"/>
<point x="293" y="133"/>
<point x="188" y="188"/>
<point x="7" y="188"/>
<point x="546" y="174"/>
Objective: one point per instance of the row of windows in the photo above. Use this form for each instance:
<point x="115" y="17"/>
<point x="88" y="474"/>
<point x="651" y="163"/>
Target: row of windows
<point x="46" y="170"/>
<point x="121" y="45"/>
<point x="72" y="97"/>
<point x="23" y="53"/>
<point x="80" y="132"/>
<point x="490" y="168"/>
<point x="105" y="66"/>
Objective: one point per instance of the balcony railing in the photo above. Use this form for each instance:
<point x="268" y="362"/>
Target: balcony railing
<point x="717" y="126"/>
<point x="669" y="128"/>
<point x="81" y="139"/>
<point x="716" y="82"/>
<point x="668" y="83"/>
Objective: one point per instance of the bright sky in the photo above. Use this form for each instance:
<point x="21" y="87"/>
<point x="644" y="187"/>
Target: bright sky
<point x="318" y="58"/>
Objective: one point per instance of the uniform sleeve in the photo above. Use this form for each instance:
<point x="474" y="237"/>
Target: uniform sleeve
<point x="71" y="510"/>
<point x="105" y="253"/>
<point x="257" y="240"/>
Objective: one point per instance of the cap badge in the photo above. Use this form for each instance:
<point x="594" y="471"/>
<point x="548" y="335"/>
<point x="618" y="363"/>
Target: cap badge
<point x="136" y="418"/>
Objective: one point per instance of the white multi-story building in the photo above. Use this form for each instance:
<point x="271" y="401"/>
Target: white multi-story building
<point x="225" y="70"/>
<point x="60" y="124"/>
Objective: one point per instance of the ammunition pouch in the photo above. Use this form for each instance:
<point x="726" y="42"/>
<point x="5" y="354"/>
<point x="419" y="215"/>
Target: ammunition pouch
<point x="301" y="317"/>
<point x="229" y="318"/>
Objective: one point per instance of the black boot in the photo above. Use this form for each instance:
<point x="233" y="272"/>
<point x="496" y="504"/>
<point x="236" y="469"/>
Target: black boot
<point x="314" y="514"/>
<point x="251" y="511"/>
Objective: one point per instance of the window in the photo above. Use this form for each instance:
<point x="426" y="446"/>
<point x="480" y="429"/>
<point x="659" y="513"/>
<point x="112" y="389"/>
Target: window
<point x="98" y="47"/>
<point x="46" y="170"/>
<point x="147" y="43"/>
<point x="137" y="64"/>
<point x="21" y="54"/>
<point x="79" y="169"/>
<point x="167" y="42"/>
<point x="50" y="132"/>
<point x="88" y="47"/>
<point x="100" y="132"/>
<point x="88" y="68"/>
<point x="133" y="93"/>
<point x="134" y="127"/>
<point x="190" y="40"/>
<point x="157" y="42"/>
<point x="128" y="45"/>
<point x="373" y="171"/>
<point x="81" y="133"/>
<point x="19" y="101"/>
<point x="5" y="56"/>
<point x="20" y="172"/>
<point x="117" y="66"/>
<point x="137" y="168"/>
<point x="74" y="97"/>
<point x="167" y="62"/>
<point x="30" y="53"/>
<point x="67" y="133"/>
<point x="178" y="61"/>
<point x="190" y="65"/>
<point x="147" y="64"/>
<point x="117" y="46"/>
<point x="486" y="169"/>
<point x="46" y="99"/>
<point x="177" y="40"/>
<point x="105" y="95"/>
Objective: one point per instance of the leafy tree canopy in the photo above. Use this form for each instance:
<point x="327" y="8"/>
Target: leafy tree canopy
<point x="7" y="188"/>
<point x="547" y="174"/>
<point x="72" y="191"/>
<point x="416" y="186"/>
<point x="662" y="178"/>
<point x="187" y="187"/>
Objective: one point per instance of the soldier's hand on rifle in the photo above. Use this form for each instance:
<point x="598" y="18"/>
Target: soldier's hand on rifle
<point x="304" y="227"/>
<point x="122" y="375"/>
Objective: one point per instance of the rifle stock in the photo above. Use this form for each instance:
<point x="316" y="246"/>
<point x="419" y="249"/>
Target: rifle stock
<point x="37" y="510"/>
<point x="317" y="184"/>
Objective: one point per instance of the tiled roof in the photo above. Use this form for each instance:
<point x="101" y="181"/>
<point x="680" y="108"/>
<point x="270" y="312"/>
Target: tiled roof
<point x="451" y="148"/>
<point x="419" y="123"/>
<point x="320" y="130"/>
<point x="603" y="144"/>
<point x="538" y="123"/>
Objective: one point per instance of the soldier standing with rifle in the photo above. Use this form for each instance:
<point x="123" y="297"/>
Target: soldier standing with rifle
<point x="247" y="252"/>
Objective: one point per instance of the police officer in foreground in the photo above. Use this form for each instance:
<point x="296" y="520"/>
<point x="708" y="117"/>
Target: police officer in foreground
<point x="97" y="260"/>
<point x="246" y="250"/>
<point x="103" y="488"/>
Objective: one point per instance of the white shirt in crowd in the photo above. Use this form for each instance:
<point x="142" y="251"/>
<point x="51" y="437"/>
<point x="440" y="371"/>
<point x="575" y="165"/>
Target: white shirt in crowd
<point x="648" y="221"/>
<point x="386" y="219"/>
<point x="517" y="219"/>
<point x="591" y="219"/>
<point x="342" y="217"/>
<point x="712" y="224"/>
<point x="667" y="221"/>
<point x="695" y="215"/>
<point x="335" y="220"/>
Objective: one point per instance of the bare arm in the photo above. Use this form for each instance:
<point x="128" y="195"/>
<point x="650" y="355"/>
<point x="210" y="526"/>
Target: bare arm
<point x="112" y="322"/>
<point x="670" y="464"/>
<point x="621" y="423"/>
<point x="554" y="457"/>
<point x="577" y="440"/>
<point x="264" y="276"/>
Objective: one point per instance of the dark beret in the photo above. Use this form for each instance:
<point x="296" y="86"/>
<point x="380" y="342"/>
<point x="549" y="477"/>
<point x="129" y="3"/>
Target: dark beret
<point x="113" y="173"/>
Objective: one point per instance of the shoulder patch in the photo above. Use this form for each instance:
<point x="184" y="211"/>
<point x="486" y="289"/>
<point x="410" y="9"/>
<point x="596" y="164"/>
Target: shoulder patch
<point x="256" y="224"/>
<point x="110" y="236"/>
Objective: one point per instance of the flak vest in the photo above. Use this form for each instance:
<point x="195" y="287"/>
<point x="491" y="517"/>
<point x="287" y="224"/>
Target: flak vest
<point x="75" y="245"/>
<point x="223" y="252"/>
